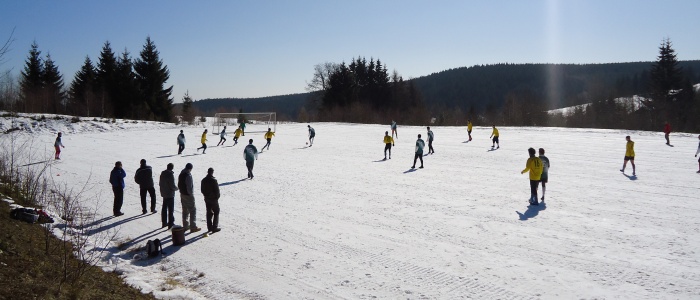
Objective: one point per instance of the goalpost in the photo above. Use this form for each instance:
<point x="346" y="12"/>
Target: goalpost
<point x="255" y="122"/>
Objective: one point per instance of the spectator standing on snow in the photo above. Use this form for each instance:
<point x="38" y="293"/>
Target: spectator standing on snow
<point x="167" y="191"/>
<point x="268" y="136"/>
<point x="236" y="135"/>
<point x="469" y="129"/>
<point x="250" y="154"/>
<point x="535" y="166"/>
<point x="667" y="132"/>
<point x="204" y="142"/>
<point x="495" y="135"/>
<point x="545" y="171"/>
<point x="186" y="187"/>
<point x="58" y="144"/>
<point x="144" y="178"/>
<point x="393" y="130"/>
<point x="210" y="190"/>
<point x="222" y="134"/>
<point x="431" y="137"/>
<point x="312" y="134"/>
<point x="388" y="142"/>
<point x="420" y="144"/>
<point x="116" y="178"/>
<point x="629" y="156"/>
<point x="180" y="142"/>
<point x="698" y="152"/>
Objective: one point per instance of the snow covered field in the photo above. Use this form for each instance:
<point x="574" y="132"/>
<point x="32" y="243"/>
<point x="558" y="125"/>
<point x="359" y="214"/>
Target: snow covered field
<point x="334" y="221"/>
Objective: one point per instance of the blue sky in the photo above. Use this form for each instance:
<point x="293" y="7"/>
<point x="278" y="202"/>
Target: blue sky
<point x="259" y="48"/>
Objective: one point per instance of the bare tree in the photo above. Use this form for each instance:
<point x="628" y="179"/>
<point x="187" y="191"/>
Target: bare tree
<point x="322" y="72"/>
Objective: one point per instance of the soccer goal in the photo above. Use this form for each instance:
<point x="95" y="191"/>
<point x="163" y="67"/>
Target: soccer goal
<point x="254" y="122"/>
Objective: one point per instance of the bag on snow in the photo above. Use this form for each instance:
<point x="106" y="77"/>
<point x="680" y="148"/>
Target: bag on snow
<point x="28" y="215"/>
<point x="154" y="248"/>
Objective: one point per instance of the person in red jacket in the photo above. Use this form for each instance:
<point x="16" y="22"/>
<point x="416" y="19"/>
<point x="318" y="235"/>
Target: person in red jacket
<point x="667" y="131"/>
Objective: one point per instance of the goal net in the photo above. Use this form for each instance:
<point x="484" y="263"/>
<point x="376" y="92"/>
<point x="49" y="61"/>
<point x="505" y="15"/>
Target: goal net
<point x="254" y="122"/>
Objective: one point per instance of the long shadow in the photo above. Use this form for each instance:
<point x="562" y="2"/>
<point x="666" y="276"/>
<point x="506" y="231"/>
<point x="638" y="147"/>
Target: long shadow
<point x="532" y="211"/>
<point x="166" y="156"/>
<point x="195" y="154"/>
<point x="145" y="236"/>
<point x="96" y="222"/>
<point x="410" y="171"/>
<point x="118" y="223"/>
<point x="35" y="163"/>
<point x="301" y="148"/>
<point x="492" y="149"/>
<point x="232" y="182"/>
<point x="465" y="142"/>
<point x="381" y="160"/>
<point x="630" y="177"/>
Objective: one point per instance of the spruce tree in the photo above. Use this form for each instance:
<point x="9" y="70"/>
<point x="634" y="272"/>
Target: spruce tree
<point x="82" y="92"/>
<point x="666" y="78"/>
<point x="31" y="81"/>
<point x="187" y="112"/>
<point x="53" y="94"/>
<point x="151" y="75"/>
<point x="106" y="77"/>
<point x="127" y="101"/>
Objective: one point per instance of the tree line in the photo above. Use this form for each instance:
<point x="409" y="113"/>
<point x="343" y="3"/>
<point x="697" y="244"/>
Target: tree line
<point x="113" y="87"/>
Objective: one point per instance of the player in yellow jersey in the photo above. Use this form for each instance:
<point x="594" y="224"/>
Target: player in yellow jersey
<point x="535" y="166"/>
<point x="629" y="156"/>
<point x="388" y="141"/>
<point x="236" y="135"/>
<point x="494" y="135"/>
<point x="268" y="136"/>
<point x="204" y="142"/>
<point x="469" y="129"/>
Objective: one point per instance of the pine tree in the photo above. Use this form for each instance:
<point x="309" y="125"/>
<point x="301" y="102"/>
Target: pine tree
<point x="666" y="78"/>
<point x="187" y="112"/>
<point x="53" y="94"/>
<point x="31" y="81"/>
<point x="126" y="101"/>
<point x="82" y="92"/>
<point x="151" y="75"/>
<point x="106" y="75"/>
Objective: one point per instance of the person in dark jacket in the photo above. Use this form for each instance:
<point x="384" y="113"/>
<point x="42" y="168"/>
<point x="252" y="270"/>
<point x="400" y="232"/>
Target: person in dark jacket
<point x="116" y="178"/>
<point x="186" y="187"/>
<point x="144" y="177"/>
<point x="180" y="142"/>
<point x="167" y="191"/>
<point x="250" y="154"/>
<point x="210" y="190"/>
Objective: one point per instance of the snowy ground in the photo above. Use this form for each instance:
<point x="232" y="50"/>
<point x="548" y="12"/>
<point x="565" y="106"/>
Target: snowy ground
<point x="334" y="221"/>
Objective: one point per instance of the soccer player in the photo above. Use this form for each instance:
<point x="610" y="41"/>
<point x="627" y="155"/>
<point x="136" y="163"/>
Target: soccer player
<point x="469" y="129"/>
<point x="268" y="136"/>
<point x="222" y="134"/>
<point x="243" y="127"/>
<point x="388" y="141"/>
<point x="545" y="170"/>
<point x="58" y="144"/>
<point x="393" y="130"/>
<point x="312" y="134"/>
<point x="204" y="142"/>
<point x="535" y="166"/>
<point x="250" y="154"/>
<point x="431" y="136"/>
<point x="696" y="154"/>
<point x="629" y="156"/>
<point x="494" y="135"/>
<point x="180" y="142"/>
<point x="236" y="135"/>
<point x="667" y="131"/>
<point x="420" y="144"/>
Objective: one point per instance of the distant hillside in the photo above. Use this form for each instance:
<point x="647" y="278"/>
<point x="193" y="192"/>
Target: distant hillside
<point x="486" y="86"/>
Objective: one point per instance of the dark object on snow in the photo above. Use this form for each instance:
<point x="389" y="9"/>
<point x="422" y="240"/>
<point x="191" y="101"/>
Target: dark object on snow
<point x="28" y="215"/>
<point x="178" y="236"/>
<point x="153" y="248"/>
<point x="44" y="217"/>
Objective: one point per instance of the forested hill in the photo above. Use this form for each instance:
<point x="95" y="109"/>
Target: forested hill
<point x="487" y="86"/>
<point x="482" y="86"/>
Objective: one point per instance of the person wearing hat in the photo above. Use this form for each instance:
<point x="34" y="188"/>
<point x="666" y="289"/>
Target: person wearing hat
<point x="167" y="191"/>
<point x="180" y="142"/>
<point x="144" y="178"/>
<point x="312" y="134"/>
<point x="186" y="187"/>
<point x="116" y="178"/>
<point x="250" y="154"/>
<point x="58" y="144"/>
<point x="210" y="190"/>
<point x="535" y="166"/>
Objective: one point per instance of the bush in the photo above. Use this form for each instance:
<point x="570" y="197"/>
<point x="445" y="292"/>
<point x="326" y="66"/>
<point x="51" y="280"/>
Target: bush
<point x="75" y="119"/>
